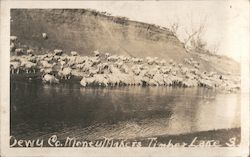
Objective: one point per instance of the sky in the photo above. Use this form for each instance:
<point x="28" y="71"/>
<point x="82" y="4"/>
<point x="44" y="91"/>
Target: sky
<point x="226" y="22"/>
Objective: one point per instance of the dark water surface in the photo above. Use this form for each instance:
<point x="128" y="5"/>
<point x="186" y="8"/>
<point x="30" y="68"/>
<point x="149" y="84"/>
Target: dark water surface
<point x="40" y="110"/>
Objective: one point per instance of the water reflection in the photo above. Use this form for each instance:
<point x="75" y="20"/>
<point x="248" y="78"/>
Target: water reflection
<point x="125" y="112"/>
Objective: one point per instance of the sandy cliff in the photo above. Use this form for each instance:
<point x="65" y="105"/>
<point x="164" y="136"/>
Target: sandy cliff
<point x="85" y="31"/>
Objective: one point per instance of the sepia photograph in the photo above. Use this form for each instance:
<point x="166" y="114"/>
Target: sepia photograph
<point x="163" y="75"/>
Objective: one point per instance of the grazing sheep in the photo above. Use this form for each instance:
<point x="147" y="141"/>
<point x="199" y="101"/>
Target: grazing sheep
<point x="187" y="61"/>
<point x="12" y="47"/>
<point x="107" y="55"/>
<point x="13" y="38"/>
<point x="46" y="70"/>
<point x="180" y="65"/>
<point x="137" y="60"/>
<point x="118" y="64"/>
<point x="44" y="35"/>
<point x="83" y="82"/>
<point x="184" y="70"/>
<point x="124" y="69"/>
<point x="19" y="51"/>
<point x="135" y="70"/>
<point x="165" y="70"/>
<point x="118" y="70"/>
<point x="14" y="65"/>
<point x="171" y="62"/>
<point x="65" y="73"/>
<point x="159" y="79"/>
<point x="46" y="64"/>
<point x="87" y="81"/>
<point x="113" y="58"/>
<point x="58" y="52"/>
<point x="150" y="60"/>
<point x="30" y="52"/>
<point x="48" y="78"/>
<point x="162" y="62"/>
<point x="74" y="53"/>
<point x="196" y="66"/>
<point x="95" y="60"/>
<point x="97" y="53"/>
<point x="28" y="66"/>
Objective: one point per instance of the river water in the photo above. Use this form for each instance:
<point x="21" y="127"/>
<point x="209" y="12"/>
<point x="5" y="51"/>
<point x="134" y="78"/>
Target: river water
<point x="40" y="110"/>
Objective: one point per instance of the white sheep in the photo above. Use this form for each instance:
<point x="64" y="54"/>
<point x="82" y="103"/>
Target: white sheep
<point x="44" y="35"/>
<point x="14" y="65"/>
<point x="113" y="58"/>
<point x="150" y="60"/>
<point x="162" y="62"/>
<point x="50" y="79"/>
<point x="107" y="55"/>
<point x="136" y="70"/>
<point x="12" y="47"/>
<point x="13" y="38"/>
<point x="73" y="53"/>
<point x="29" y="66"/>
<point x="118" y="64"/>
<point x="97" y="53"/>
<point x="65" y="73"/>
<point x="46" y="64"/>
<point x="46" y="70"/>
<point x="30" y="51"/>
<point x="83" y="82"/>
<point x="58" y="52"/>
<point x="19" y="51"/>
<point x="180" y="65"/>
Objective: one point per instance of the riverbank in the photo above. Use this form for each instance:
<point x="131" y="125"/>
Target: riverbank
<point x="113" y="70"/>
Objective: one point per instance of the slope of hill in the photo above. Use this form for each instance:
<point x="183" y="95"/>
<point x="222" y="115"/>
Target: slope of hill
<point x="85" y="30"/>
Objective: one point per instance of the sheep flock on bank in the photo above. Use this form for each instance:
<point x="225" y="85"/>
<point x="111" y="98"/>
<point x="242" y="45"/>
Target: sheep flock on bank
<point x="104" y="69"/>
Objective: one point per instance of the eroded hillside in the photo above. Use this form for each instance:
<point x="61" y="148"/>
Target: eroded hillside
<point x="84" y="31"/>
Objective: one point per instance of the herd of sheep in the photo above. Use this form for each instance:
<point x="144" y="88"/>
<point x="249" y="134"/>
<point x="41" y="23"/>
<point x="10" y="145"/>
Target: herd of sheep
<point x="104" y="69"/>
